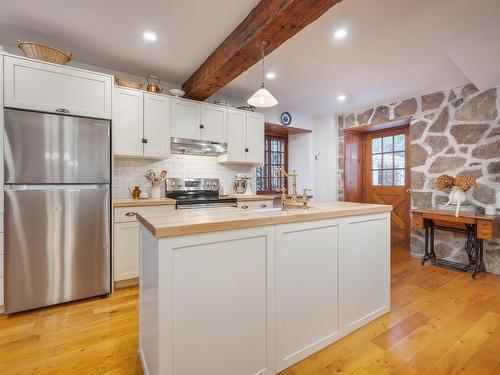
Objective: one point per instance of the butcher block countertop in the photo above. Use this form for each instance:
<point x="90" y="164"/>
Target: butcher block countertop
<point x="129" y="202"/>
<point x="184" y="222"/>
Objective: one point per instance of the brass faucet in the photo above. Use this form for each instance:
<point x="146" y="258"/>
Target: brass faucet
<point x="293" y="202"/>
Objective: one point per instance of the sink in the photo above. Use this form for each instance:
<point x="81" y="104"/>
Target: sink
<point x="266" y="209"/>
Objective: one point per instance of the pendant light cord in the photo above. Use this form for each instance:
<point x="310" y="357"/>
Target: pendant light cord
<point x="263" y="64"/>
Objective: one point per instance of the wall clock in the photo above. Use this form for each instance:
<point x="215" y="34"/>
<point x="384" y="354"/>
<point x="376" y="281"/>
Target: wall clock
<point x="286" y="118"/>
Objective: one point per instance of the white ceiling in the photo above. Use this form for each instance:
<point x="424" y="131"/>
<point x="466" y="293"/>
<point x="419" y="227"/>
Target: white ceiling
<point x="394" y="49"/>
<point x="108" y="33"/>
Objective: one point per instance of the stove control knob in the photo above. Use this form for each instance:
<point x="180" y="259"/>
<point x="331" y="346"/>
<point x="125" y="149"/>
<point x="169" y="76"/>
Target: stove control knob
<point x="214" y="184"/>
<point x="173" y="183"/>
<point x="179" y="184"/>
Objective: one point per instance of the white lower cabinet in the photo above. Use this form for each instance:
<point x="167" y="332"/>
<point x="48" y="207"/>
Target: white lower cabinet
<point x="366" y="270"/>
<point x="256" y="301"/>
<point x="126" y="244"/>
<point x="307" y="289"/>
<point x="126" y="239"/>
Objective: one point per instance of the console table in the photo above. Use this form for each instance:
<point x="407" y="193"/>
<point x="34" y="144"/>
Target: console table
<point x="476" y="227"/>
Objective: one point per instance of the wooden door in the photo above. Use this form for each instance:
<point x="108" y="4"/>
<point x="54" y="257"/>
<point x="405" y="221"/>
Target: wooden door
<point x="387" y="177"/>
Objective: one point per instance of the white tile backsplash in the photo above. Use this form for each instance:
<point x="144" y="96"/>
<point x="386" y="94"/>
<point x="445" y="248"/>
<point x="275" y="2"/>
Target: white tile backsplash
<point x="130" y="171"/>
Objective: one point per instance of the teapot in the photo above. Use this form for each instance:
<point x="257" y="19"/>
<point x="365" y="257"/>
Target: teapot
<point x="154" y="87"/>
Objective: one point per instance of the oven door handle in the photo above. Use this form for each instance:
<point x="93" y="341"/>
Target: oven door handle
<point x="205" y="205"/>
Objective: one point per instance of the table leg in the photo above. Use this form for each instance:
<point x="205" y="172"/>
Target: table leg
<point x="476" y="253"/>
<point x="432" y="253"/>
<point x="426" y="247"/>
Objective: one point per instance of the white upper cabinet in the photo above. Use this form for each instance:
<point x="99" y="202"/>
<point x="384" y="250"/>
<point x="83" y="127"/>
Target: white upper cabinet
<point x="255" y="138"/>
<point x="54" y="88"/>
<point x="213" y="123"/>
<point x="185" y="119"/>
<point x="128" y="122"/>
<point x="236" y="136"/>
<point x="141" y="124"/>
<point x="245" y="138"/>
<point x="156" y="126"/>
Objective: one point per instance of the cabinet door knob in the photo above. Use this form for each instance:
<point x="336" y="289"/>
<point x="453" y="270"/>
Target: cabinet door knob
<point x="144" y="140"/>
<point x="244" y="207"/>
<point x="62" y="110"/>
<point x="129" y="214"/>
<point x="246" y="149"/>
<point x="263" y="205"/>
<point x="202" y="126"/>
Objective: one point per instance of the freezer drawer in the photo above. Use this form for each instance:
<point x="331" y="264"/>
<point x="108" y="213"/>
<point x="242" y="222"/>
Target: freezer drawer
<point x="40" y="148"/>
<point x="57" y="244"/>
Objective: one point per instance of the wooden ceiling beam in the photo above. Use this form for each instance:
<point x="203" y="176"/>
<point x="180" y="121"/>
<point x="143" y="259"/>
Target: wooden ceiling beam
<point x="274" y="21"/>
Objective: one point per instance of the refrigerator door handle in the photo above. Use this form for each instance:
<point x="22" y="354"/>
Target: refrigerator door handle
<point x="58" y="187"/>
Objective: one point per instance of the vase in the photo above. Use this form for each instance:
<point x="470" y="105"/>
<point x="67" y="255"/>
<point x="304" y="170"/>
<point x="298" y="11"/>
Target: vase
<point x="457" y="197"/>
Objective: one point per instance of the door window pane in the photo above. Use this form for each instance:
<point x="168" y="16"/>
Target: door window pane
<point x="376" y="145"/>
<point x="399" y="142"/>
<point x="387" y="144"/>
<point x="387" y="177"/>
<point x="377" y="178"/>
<point x="399" y="160"/>
<point x="377" y="161"/>
<point x="387" y="161"/>
<point x="399" y="177"/>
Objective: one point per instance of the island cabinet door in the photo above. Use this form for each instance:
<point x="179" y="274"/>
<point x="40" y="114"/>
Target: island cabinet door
<point x="365" y="270"/>
<point x="307" y="283"/>
<point x="216" y="303"/>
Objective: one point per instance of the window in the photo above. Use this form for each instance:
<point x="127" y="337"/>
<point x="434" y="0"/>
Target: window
<point x="275" y="156"/>
<point x="388" y="160"/>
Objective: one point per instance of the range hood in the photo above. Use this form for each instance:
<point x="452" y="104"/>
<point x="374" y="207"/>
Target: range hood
<point x="197" y="147"/>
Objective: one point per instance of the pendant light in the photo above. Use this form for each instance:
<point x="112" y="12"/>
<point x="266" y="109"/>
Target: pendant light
<point x="262" y="98"/>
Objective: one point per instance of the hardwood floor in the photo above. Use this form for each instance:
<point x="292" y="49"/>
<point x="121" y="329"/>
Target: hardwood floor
<point x="441" y="322"/>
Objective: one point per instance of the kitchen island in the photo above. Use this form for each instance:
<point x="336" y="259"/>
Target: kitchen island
<point x="226" y="291"/>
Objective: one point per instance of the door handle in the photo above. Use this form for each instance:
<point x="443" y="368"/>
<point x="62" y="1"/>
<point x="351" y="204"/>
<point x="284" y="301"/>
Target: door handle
<point x="409" y="190"/>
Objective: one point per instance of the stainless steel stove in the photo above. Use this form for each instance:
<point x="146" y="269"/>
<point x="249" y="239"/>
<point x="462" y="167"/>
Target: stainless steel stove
<point x="196" y="193"/>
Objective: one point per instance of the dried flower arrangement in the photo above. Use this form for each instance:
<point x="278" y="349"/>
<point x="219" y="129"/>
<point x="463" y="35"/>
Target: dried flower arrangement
<point x="458" y="185"/>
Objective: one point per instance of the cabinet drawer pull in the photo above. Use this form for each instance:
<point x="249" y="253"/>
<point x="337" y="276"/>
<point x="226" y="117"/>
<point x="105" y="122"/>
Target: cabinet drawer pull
<point x="244" y="207"/>
<point x="62" y="110"/>
<point x="263" y="205"/>
<point x="129" y="214"/>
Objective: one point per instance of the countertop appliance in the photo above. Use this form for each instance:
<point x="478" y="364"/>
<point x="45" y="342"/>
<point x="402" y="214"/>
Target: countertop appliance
<point x="57" y="209"/>
<point x="196" y="193"/>
<point x="242" y="184"/>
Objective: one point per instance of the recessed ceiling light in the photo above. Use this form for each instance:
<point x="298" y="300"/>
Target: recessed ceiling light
<point x="150" y="36"/>
<point x="271" y="75"/>
<point x="341" y="98"/>
<point x="340" y="33"/>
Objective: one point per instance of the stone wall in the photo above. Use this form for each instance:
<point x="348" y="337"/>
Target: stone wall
<point x="452" y="132"/>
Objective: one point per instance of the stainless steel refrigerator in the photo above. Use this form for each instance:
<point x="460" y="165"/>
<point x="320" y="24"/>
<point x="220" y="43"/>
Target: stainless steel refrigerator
<point x="57" y="209"/>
